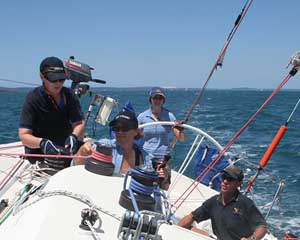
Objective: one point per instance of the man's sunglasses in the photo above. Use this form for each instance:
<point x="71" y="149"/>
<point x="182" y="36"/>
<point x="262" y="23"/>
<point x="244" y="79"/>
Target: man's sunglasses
<point x="55" y="81"/>
<point x="121" y="128"/>
<point x="228" y="178"/>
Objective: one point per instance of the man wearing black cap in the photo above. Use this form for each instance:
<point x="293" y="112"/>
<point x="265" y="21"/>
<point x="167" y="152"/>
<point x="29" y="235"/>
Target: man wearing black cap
<point x="125" y="153"/>
<point x="51" y="120"/>
<point x="233" y="215"/>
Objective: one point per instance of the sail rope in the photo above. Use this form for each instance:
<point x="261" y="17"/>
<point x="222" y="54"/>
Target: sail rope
<point x="9" y="80"/>
<point x="201" y="176"/>
<point x="220" y="59"/>
<point x="218" y="63"/>
<point x="11" y="146"/>
<point x="42" y="155"/>
<point x="80" y="197"/>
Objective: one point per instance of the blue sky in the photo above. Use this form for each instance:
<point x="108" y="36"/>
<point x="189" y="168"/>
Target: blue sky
<point x="146" y="43"/>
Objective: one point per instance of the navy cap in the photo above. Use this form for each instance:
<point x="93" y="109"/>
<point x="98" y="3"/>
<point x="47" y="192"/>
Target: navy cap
<point x="53" y="69"/>
<point x="126" y="119"/>
<point x="157" y="91"/>
<point x="234" y="172"/>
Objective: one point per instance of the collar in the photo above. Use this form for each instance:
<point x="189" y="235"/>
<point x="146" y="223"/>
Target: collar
<point x="235" y="197"/>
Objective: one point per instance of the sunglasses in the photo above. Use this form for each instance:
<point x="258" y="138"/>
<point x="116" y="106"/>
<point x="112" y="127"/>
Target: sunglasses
<point x="228" y="178"/>
<point x="55" y="81"/>
<point x="121" y="128"/>
<point x="158" y="98"/>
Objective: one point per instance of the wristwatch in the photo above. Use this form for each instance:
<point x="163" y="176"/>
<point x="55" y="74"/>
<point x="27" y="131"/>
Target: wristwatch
<point x="252" y="237"/>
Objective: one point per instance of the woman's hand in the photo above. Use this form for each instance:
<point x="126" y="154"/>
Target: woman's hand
<point x="178" y="130"/>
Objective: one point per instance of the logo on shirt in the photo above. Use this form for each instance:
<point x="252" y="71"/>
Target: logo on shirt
<point x="237" y="211"/>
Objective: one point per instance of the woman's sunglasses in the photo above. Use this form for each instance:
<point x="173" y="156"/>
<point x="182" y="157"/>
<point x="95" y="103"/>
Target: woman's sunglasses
<point x="158" y="98"/>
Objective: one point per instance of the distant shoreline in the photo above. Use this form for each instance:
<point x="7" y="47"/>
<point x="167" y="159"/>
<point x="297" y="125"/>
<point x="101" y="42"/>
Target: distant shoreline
<point x="14" y="89"/>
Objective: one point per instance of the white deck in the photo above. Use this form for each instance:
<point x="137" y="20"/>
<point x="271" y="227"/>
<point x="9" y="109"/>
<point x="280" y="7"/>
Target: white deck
<point x="58" y="216"/>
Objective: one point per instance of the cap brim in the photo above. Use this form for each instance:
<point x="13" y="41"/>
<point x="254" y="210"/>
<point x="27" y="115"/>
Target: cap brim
<point x="231" y="174"/>
<point x="122" y="122"/>
<point x="54" y="76"/>
<point x="158" y="94"/>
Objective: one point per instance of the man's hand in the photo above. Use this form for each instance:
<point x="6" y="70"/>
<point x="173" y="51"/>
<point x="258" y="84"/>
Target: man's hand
<point x="48" y="147"/>
<point x="72" y="143"/>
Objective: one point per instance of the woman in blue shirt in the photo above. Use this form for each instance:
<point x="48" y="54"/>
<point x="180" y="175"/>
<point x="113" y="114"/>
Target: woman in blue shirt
<point x="157" y="138"/>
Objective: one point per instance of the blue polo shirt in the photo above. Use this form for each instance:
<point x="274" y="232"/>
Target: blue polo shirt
<point x="157" y="138"/>
<point x="117" y="153"/>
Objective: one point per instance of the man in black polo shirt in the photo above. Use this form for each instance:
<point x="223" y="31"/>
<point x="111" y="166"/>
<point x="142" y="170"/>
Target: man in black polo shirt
<point x="51" y="120"/>
<point x="233" y="215"/>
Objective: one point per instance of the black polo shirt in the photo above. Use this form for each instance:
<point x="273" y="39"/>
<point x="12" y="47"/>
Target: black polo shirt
<point x="239" y="218"/>
<point x="48" y="120"/>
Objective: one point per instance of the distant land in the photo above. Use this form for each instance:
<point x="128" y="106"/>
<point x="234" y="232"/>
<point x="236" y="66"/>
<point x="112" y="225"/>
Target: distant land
<point x="16" y="89"/>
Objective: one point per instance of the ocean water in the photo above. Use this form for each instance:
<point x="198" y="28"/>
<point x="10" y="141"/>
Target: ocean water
<point x="221" y="113"/>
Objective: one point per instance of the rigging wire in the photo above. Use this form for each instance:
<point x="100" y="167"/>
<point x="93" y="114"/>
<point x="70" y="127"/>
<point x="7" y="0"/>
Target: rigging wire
<point x="195" y="183"/>
<point x="264" y="160"/>
<point x="220" y="59"/>
<point x="9" y="80"/>
<point x="218" y="63"/>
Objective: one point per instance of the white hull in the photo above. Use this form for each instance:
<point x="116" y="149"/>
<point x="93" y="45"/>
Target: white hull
<point x="57" y="213"/>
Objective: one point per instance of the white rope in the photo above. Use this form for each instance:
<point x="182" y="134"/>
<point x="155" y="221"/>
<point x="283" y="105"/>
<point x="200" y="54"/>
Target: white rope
<point x="80" y="197"/>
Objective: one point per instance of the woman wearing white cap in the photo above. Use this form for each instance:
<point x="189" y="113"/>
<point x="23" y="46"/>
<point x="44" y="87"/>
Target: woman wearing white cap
<point x="157" y="138"/>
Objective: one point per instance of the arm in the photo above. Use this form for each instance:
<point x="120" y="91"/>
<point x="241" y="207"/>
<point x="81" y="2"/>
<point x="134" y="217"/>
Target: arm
<point x="28" y="139"/>
<point x="186" y="222"/>
<point x="258" y="222"/>
<point x="78" y="129"/>
<point x="84" y="150"/>
<point x="163" y="173"/>
<point x="178" y="131"/>
<point x="258" y="234"/>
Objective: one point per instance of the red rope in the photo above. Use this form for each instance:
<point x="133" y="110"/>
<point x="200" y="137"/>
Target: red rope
<point x="42" y="155"/>
<point x="11" y="173"/>
<point x="102" y="157"/>
<point x="12" y="146"/>
<point x="214" y="162"/>
<point x="219" y="59"/>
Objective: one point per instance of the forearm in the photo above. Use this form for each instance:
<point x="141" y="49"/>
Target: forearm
<point x="84" y="150"/>
<point x="78" y="129"/>
<point x="258" y="234"/>
<point x="179" y="134"/>
<point x="186" y="222"/>
<point x="28" y="139"/>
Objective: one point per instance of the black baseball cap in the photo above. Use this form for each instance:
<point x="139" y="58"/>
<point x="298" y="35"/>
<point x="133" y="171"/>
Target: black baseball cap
<point x="234" y="172"/>
<point x="125" y="119"/>
<point x="53" y="69"/>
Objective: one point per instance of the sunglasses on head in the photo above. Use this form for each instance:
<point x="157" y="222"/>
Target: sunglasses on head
<point x="53" y="69"/>
<point x="228" y="178"/>
<point x="121" y="128"/>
